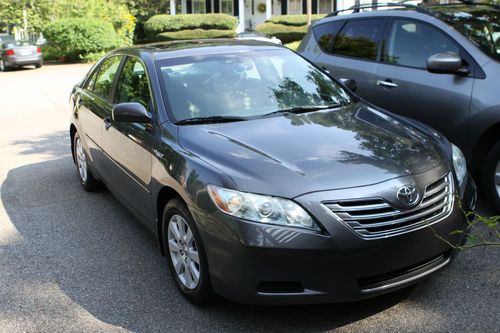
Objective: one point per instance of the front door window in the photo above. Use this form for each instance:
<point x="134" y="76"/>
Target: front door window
<point x="411" y="43"/>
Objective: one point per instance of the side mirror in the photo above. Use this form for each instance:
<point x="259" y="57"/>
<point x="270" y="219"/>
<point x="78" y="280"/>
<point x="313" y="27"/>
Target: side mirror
<point x="446" y="62"/>
<point x="130" y="113"/>
<point x="349" y="84"/>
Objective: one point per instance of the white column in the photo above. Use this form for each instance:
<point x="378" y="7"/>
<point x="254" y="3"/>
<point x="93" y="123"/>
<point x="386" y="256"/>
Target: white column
<point x="241" y="16"/>
<point x="269" y="9"/>
<point x="172" y="7"/>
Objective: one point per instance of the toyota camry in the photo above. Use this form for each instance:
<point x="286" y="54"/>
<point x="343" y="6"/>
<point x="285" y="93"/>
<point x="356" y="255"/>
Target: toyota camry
<point x="264" y="179"/>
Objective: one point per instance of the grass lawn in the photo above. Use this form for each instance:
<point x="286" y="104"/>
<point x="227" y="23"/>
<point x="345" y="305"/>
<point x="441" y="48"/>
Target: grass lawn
<point x="293" y="45"/>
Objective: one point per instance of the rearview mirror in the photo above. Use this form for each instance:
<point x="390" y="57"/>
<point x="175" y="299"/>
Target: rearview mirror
<point x="446" y="62"/>
<point x="130" y="113"/>
<point x="349" y="84"/>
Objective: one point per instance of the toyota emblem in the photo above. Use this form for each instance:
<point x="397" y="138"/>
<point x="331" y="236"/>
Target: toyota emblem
<point x="408" y="195"/>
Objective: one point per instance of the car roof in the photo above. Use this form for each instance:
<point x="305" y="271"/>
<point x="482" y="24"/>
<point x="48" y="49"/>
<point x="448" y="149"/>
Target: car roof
<point x="165" y="50"/>
<point x="424" y="12"/>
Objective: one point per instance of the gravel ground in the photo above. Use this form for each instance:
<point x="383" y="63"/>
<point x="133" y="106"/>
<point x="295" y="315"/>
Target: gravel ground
<point x="71" y="261"/>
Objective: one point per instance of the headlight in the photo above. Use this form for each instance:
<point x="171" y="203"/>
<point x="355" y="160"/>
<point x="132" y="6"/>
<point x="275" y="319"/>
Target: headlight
<point x="460" y="165"/>
<point x="261" y="208"/>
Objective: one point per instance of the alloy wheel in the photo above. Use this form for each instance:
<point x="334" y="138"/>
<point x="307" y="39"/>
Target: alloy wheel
<point x="81" y="160"/>
<point x="2" y="66"/>
<point x="183" y="252"/>
<point x="497" y="178"/>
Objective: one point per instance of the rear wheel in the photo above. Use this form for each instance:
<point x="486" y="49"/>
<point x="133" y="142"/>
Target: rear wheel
<point x="491" y="176"/>
<point x="39" y="65"/>
<point x="87" y="179"/>
<point x="185" y="253"/>
<point x="3" y="66"/>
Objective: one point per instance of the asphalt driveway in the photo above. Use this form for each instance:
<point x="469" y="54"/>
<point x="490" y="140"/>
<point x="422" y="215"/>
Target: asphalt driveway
<point x="76" y="261"/>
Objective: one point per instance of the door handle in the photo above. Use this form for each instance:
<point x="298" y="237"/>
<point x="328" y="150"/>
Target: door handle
<point x="107" y="123"/>
<point x="387" y="83"/>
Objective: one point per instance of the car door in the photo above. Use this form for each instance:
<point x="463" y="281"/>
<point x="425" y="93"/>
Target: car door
<point x="353" y="51"/>
<point x="128" y="146"/>
<point x="405" y="86"/>
<point x="92" y="104"/>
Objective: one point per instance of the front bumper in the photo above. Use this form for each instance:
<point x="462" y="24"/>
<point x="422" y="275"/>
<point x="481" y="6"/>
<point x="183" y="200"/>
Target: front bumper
<point x="265" y="264"/>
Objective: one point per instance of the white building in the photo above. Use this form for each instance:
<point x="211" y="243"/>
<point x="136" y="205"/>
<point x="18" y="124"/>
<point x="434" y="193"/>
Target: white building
<point x="253" y="12"/>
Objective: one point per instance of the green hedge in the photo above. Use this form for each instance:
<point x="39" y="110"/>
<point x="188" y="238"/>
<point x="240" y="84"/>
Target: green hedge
<point x="294" y="20"/>
<point x="167" y="23"/>
<point x="77" y="38"/>
<point x="286" y="34"/>
<point x="195" y="34"/>
<point x="288" y="28"/>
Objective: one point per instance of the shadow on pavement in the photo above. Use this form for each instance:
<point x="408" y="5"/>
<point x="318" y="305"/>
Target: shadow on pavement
<point x="83" y="252"/>
<point x="55" y="144"/>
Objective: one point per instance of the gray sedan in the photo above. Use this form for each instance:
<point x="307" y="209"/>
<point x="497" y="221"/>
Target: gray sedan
<point x="264" y="180"/>
<point x="18" y="54"/>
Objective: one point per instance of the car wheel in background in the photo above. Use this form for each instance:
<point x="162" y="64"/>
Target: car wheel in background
<point x="185" y="253"/>
<point x="491" y="176"/>
<point x="87" y="179"/>
<point x="39" y="65"/>
<point x="3" y="66"/>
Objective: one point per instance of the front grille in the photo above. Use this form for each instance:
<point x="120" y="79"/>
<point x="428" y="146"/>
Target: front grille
<point x="375" y="218"/>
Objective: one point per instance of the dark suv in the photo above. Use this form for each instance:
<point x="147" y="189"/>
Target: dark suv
<point x="439" y="64"/>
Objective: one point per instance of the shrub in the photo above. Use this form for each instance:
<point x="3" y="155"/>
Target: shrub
<point x="286" y="34"/>
<point x="76" y="38"/>
<point x="50" y="53"/>
<point x="168" y="23"/>
<point x="293" y="20"/>
<point x="195" y="34"/>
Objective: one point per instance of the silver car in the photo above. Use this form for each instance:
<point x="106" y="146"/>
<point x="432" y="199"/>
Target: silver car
<point x="436" y="63"/>
<point x="20" y="53"/>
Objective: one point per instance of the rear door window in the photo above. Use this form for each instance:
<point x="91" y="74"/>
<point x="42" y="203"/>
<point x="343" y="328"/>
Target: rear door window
<point x="360" y="39"/>
<point x="411" y="42"/>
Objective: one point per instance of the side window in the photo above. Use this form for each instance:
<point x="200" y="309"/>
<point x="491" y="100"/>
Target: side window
<point x="91" y="81"/>
<point x="360" y="39"/>
<point x="326" y="33"/>
<point x="410" y="43"/>
<point x="105" y="76"/>
<point x="133" y="85"/>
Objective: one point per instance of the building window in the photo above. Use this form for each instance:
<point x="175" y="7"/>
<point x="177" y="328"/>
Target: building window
<point x="226" y="6"/>
<point x="199" y="7"/>
<point x="325" y="6"/>
<point x="294" y="7"/>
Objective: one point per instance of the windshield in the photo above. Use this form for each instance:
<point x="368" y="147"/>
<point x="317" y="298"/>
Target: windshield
<point x="245" y="84"/>
<point x="480" y="24"/>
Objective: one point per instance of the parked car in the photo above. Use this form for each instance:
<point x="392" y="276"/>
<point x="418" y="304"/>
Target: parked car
<point x="439" y="64"/>
<point x="19" y="53"/>
<point x="263" y="179"/>
<point x="257" y="36"/>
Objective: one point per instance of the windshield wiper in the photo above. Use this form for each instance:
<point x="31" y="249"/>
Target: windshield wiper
<point x="304" y="109"/>
<point x="210" y="120"/>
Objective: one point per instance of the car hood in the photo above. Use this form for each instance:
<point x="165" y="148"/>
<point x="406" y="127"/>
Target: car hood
<point x="290" y="155"/>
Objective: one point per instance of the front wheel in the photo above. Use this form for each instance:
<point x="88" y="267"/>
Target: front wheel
<point x="87" y="179"/>
<point x="185" y="253"/>
<point x="491" y="176"/>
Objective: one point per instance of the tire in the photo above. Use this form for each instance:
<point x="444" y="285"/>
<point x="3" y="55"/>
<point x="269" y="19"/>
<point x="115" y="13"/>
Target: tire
<point x="87" y="179"/>
<point x="39" y="65"/>
<point x="186" y="254"/>
<point x="491" y="168"/>
<point x="3" y="66"/>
